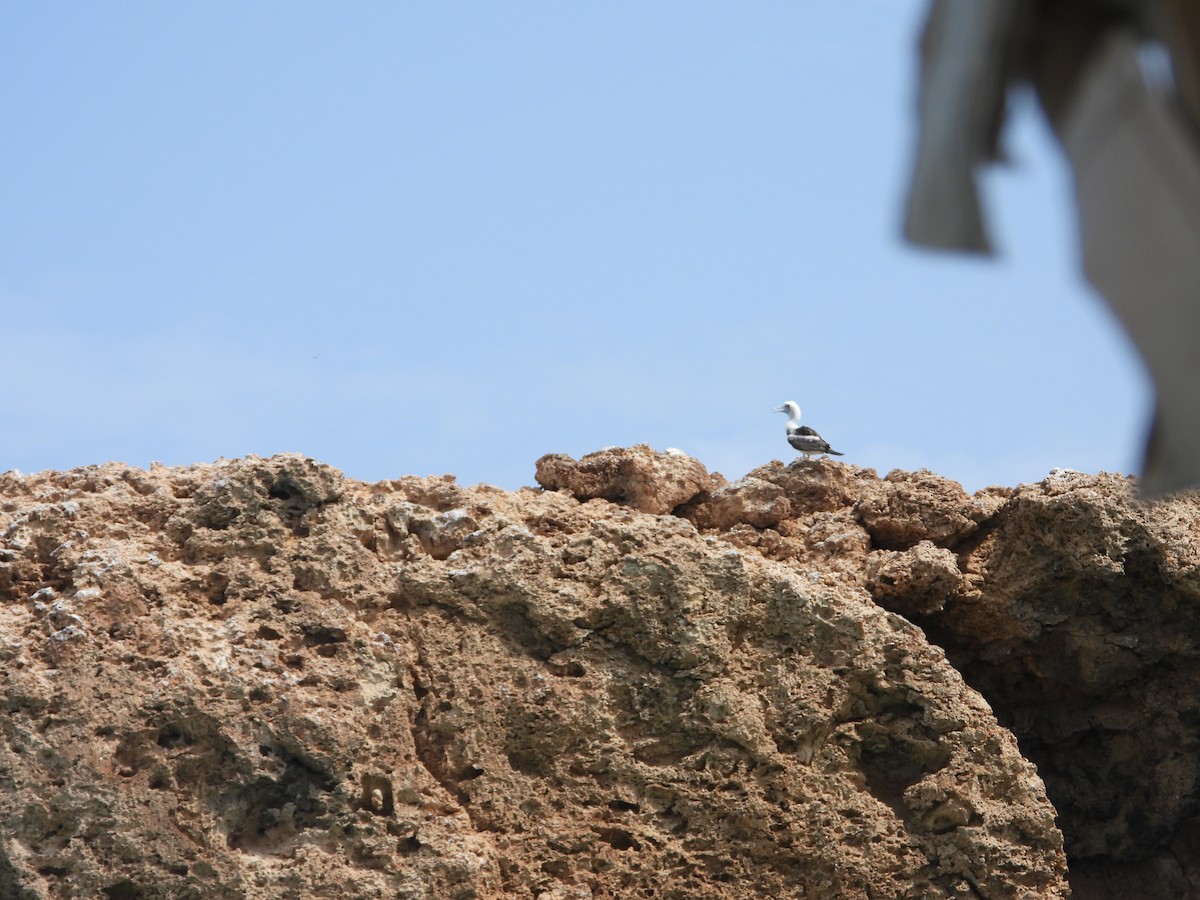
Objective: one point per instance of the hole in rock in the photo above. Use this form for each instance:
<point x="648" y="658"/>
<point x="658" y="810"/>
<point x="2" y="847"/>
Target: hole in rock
<point x="891" y="761"/>
<point x="320" y="635"/>
<point x="619" y="839"/>
<point x="170" y="737"/>
<point x="123" y="890"/>
<point x="377" y="795"/>
<point x="624" y="806"/>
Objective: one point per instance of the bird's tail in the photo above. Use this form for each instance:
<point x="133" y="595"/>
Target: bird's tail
<point x="834" y="453"/>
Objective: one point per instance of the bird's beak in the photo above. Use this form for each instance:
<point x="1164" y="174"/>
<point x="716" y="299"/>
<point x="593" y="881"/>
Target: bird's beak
<point x="779" y="409"/>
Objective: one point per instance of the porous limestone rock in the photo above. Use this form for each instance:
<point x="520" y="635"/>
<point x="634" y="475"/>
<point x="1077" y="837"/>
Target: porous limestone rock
<point x="1074" y="609"/>
<point x="1079" y="619"/>
<point x="259" y="679"/>
<point x="648" y="480"/>
<point x="819" y="485"/>
<point x="798" y="513"/>
<point x="749" y="501"/>
<point x="914" y="582"/>
<point x="906" y="508"/>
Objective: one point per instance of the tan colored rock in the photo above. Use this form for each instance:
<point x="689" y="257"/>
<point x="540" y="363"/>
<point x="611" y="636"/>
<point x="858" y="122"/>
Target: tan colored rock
<point x="750" y="501"/>
<point x="906" y="508"/>
<point x="1070" y="605"/>
<point x="800" y="513"/>
<point x="818" y="485"/>
<point x="914" y="582"/>
<point x="646" y="479"/>
<point x="281" y="682"/>
<point x="1081" y="625"/>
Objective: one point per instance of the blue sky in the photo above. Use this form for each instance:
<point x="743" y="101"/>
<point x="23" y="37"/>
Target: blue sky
<point x="426" y="238"/>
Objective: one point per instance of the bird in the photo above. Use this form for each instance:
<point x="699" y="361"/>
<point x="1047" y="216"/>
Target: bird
<point x="801" y="437"/>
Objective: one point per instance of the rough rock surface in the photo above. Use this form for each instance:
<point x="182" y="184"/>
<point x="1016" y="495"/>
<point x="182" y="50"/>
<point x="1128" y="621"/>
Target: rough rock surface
<point x="1079" y="618"/>
<point x="748" y="501"/>
<point x="260" y="679"/>
<point x="646" y="479"/>
<point x="897" y="511"/>
<point x="918" y="581"/>
<point x="1074" y="609"/>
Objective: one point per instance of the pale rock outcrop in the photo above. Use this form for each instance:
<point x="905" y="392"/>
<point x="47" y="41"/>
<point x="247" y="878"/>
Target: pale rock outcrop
<point x="1079" y="620"/>
<point x="749" y="501"/>
<point x="1073" y="607"/>
<point x="646" y="479"/>
<point x="914" y="582"/>
<point x="908" y="507"/>
<point x="798" y="514"/>
<point x="259" y="679"/>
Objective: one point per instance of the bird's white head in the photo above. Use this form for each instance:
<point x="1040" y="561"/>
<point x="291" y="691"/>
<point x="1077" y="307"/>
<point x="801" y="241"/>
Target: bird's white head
<point x="791" y="408"/>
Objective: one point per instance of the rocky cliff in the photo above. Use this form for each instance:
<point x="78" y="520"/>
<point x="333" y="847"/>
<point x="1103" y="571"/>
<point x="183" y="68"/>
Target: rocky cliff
<point x="260" y="679"/>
